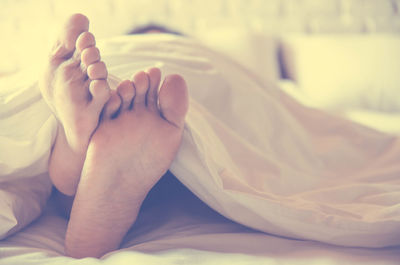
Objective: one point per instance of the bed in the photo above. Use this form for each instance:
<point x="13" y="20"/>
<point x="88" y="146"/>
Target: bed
<point x="183" y="236"/>
<point x="187" y="224"/>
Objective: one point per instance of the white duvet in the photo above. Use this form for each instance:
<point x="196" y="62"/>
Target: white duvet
<point x="249" y="151"/>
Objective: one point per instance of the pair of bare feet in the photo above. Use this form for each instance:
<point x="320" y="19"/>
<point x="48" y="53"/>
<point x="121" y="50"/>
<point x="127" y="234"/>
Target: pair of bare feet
<point x="111" y="146"/>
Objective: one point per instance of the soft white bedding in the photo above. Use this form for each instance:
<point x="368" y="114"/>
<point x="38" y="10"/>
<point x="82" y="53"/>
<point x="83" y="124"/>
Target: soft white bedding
<point x="172" y="232"/>
<point x="251" y="153"/>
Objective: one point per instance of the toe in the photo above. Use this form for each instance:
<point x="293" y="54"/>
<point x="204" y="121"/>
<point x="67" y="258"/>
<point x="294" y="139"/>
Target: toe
<point x="112" y="107"/>
<point x="154" y="75"/>
<point x="65" y="45"/>
<point x="85" y="40"/>
<point x="100" y="91"/>
<point x="174" y="101"/>
<point x="126" y="91"/>
<point x="97" y="70"/>
<point x="141" y="83"/>
<point x="90" y="56"/>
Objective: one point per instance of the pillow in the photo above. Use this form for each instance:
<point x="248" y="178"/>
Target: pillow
<point x="345" y="71"/>
<point x="255" y="51"/>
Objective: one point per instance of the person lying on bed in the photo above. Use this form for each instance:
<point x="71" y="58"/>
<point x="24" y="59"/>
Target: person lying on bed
<point x="111" y="146"/>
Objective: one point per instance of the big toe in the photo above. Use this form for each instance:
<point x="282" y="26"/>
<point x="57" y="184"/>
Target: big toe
<point x="173" y="100"/>
<point x="75" y="25"/>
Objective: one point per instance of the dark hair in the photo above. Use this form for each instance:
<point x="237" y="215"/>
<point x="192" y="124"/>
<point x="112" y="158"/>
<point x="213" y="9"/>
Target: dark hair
<point x="153" y="27"/>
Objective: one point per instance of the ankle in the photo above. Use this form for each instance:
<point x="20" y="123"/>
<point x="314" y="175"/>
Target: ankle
<point x="65" y="164"/>
<point x="71" y="142"/>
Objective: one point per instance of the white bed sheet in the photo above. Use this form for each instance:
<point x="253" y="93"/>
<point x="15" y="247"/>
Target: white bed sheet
<point x="184" y="236"/>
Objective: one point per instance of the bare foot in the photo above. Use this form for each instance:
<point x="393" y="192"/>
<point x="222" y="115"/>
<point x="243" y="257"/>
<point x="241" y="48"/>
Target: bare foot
<point x="75" y="87"/>
<point x="127" y="155"/>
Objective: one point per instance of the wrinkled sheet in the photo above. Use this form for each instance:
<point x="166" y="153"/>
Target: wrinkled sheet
<point x="184" y="231"/>
<point x="258" y="157"/>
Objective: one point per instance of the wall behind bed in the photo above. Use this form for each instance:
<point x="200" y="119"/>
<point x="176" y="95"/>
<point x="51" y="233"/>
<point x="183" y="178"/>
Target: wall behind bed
<point x="27" y="26"/>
